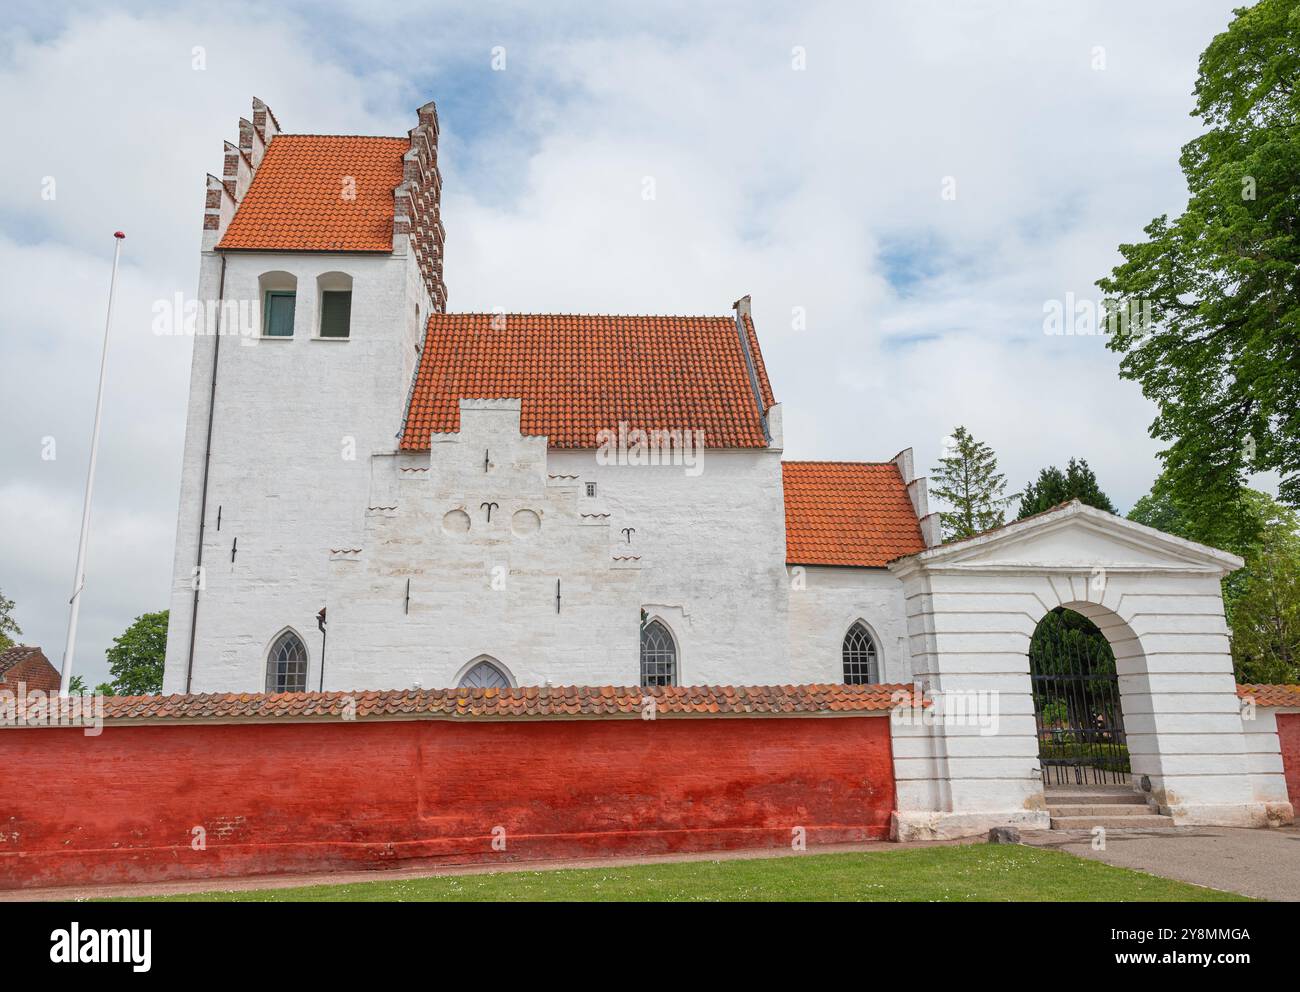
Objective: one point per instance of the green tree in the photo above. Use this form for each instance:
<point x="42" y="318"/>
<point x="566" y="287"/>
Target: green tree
<point x="1055" y="487"/>
<point x="1236" y="525"/>
<point x="77" y="684"/>
<point x="968" y="480"/>
<point x="9" y="628"/>
<point x="1266" y="614"/>
<point x="136" y="658"/>
<point x="1261" y="600"/>
<point x="1221" y="358"/>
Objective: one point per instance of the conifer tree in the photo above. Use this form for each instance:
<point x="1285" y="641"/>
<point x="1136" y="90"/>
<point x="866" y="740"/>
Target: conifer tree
<point x="968" y="480"/>
<point x="1055" y="487"/>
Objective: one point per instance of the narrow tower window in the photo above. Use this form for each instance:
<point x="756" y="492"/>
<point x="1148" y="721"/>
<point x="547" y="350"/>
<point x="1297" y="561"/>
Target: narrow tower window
<point x="335" y="293"/>
<point x="278" y="319"/>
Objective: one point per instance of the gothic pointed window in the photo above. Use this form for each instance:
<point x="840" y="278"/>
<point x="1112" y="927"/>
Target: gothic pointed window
<point x="658" y="655"/>
<point x="484" y="675"/>
<point x="286" y="665"/>
<point x="861" y="665"/>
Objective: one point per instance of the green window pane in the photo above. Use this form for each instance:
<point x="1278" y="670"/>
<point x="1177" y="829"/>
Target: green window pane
<point x="335" y="313"/>
<point x="279" y="315"/>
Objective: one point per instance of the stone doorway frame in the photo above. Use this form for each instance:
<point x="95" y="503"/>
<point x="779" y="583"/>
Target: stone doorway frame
<point x="972" y="607"/>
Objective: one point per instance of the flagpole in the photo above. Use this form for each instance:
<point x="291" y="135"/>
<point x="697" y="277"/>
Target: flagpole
<point x="79" y="579"/>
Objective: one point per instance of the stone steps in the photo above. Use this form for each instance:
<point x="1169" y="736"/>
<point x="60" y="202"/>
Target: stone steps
<point x="1098" y="809"/>
<point x="1094" y="798"/>
<point x="1112" y="809"/>
<point x="1143" y="821"/>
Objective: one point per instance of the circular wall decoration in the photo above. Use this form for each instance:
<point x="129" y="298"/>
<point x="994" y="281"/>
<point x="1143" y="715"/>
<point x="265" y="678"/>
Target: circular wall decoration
<point x="455" y="522"/>
<point x="525" y="523"/>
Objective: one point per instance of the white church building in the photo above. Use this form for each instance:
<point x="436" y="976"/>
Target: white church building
<point x="378" y="493"/>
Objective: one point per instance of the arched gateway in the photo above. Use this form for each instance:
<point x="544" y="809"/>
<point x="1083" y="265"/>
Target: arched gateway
<point x="1077" y="711"/>
<point x="974" y="607"/>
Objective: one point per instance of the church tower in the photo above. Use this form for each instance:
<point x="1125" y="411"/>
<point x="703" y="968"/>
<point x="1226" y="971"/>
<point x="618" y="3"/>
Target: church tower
<point x="322" y="259"/>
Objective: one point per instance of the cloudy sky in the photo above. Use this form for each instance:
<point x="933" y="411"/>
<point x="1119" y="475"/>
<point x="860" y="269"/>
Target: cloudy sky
<point x="806" y="154"/>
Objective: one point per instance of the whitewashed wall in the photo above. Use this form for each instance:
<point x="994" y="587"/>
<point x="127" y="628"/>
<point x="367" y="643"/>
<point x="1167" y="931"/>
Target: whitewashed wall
<point x="288" y="414"/>
<point x="712" y="550"/>
<point x="704" y="558"/>
<point x="825" y="602"/>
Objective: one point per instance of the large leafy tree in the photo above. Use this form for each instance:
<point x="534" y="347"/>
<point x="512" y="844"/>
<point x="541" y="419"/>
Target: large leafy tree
<point x="1055" y="487"/>
<point x="135" y="660"/>
<point x="968" y="480"/>
<point x="1222" y="361"/>
<point x="1236" y="525"/>
<point x="9" y="628"/>
<point x="1261" y="600"/>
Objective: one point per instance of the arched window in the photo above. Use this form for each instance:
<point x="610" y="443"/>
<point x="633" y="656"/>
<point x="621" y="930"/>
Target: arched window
<point x="286" y="665"/>
<point x="279" y="292"/>
<point x="484" y="675"/>
<point x="334" y="305"/>
<point x="658" y="655"/>
<point x="861" y="666"/>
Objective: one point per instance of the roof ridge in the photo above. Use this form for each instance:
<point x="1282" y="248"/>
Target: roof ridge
<point x="367" y="137"/>
<point x="820" y="461"/>
<point x="556" y="313"/>
<point x="1007" y="525"/>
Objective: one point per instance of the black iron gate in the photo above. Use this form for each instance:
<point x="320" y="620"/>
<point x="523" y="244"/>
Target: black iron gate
<point x="1076" y="703"/>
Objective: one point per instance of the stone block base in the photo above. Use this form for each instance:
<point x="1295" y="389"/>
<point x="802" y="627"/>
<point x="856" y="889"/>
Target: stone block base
<point x="1274" y="814"/>
<point x="909" y="825"/>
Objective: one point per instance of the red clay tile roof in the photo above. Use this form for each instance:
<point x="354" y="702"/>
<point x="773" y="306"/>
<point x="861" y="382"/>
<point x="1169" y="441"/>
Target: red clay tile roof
<point x="296" y="201"/>
<point x="527" y="701"/>
<point x="1271" y="695"/>
<point x="847" y="513"/>
<point x="578" y="375"/>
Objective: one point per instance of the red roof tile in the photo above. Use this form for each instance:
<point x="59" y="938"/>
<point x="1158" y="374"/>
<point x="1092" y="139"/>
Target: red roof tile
<point x="578" y="375"/>
<point x="847" y="513"/>
<point x="297" y="200"/>
<point x="526" y="701"/>
<point x="1271" y="695"/>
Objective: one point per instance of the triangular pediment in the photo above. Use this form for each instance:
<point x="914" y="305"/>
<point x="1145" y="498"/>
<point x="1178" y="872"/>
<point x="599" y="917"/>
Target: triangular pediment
<point x="1073" y="538"/>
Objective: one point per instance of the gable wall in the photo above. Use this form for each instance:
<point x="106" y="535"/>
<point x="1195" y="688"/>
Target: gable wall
<point x="35" y="672"/>
<point x="705" y="557"/>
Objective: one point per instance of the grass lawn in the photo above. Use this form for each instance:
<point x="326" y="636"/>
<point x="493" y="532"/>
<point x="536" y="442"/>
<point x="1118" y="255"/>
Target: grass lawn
<point x="974" y="872"/>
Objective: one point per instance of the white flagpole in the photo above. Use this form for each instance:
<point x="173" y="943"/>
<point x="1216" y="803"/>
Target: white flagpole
<point x="79" y="580"/>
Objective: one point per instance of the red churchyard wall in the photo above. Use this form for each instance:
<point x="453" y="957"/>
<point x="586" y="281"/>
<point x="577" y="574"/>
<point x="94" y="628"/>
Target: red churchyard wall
<point x="281" y="796"/>
<point x="1288" y="735"/>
